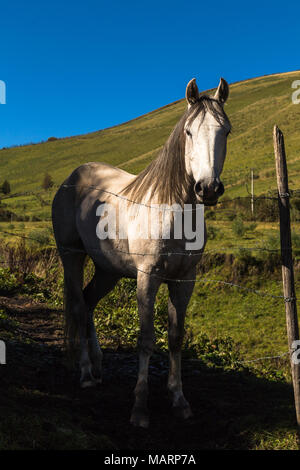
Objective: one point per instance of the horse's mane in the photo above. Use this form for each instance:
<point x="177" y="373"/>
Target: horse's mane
<point x="166" y="177"/>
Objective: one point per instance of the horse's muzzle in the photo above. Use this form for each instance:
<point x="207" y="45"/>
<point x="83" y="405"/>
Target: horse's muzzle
<point x="208" y="193"/>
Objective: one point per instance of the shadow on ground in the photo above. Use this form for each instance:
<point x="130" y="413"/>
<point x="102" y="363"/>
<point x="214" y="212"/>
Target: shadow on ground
<point x="42" y="406"/>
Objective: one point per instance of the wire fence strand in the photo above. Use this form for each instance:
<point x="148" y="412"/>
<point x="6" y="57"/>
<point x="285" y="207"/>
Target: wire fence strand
<point x="162" y="278"/>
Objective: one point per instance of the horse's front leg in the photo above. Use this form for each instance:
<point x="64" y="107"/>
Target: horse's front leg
<point x="180" y="294"/>
<point x="147" y="287"/>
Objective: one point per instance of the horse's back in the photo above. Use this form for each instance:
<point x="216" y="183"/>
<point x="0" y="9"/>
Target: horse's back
<point x="96" y="174"/>
<point x="77" y="186"/>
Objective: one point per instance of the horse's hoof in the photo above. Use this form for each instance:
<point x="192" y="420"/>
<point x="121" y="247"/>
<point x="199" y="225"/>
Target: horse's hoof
<point x="184" y="412"/>
<point x="87" y="383"/>
<point x="97" y="376"/>
<point x="139" y="418"/>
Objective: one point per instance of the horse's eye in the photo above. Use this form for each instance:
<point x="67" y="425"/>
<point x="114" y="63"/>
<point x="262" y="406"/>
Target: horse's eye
<point x="188" y="133"/>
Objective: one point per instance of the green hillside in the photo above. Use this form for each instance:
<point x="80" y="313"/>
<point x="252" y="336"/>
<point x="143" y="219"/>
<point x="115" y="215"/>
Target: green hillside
<point x="254" y="107"/>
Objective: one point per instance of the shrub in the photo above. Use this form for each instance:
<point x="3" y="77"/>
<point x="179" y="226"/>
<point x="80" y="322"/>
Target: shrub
<point x="210" y="215"/>
<point x="8" y="282"/>
<point x="231" y="216"/>
<point x="5" y="188"/>
<point x="212" y="232"/>
<point x="251" y="227"/>
<point x="273" y="242"/>
<point x="34" y="218"/>
<point x="238" y="227"/>
<point x="47" y="182"/>
<point x="218" y="351"/>
<point x="39" y="237"/>
<point x="117" y="324"/>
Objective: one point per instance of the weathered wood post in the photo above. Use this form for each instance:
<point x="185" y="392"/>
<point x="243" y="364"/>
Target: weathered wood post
<point x="287" y="260"/>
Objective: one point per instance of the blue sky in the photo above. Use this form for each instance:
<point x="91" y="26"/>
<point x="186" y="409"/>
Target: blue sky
<point x="74" y="67"/>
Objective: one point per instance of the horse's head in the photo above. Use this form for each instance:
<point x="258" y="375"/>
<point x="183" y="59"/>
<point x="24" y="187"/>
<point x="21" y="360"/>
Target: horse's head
<point x="206" y="130"/>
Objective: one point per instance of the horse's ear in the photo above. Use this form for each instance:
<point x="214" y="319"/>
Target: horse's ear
<point x="192" y="92"/>
<point x="222" y="92"/>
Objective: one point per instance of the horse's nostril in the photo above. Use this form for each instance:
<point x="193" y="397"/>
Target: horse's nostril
<point x="198" y="187"/>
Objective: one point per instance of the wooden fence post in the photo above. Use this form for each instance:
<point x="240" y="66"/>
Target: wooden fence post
<point x="287" y="260"/>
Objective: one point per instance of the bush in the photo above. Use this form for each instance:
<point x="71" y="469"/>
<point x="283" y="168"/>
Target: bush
<point x="273" y="242"/>
<point x="117" y="324"/>
<point x="34" y="218"/>
<point x="238" y="227"/>
<point x="230" y="216"/>
<point x="5" y="188"/>
<point x="8" y="282"/>
<point x="47" y="182"/>
<point x="251" y="227"/>
<point x="212" y="232"/>
<point x="39" y="237"/>
<point x="218" y="352"/>
<point x="210" y="215"/>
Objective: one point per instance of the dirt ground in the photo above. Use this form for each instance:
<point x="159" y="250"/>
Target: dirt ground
<point x="43" y="407"/>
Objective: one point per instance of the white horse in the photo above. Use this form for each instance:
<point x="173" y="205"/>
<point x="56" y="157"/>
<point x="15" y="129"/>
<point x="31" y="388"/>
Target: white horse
<point x="186" y="171"/>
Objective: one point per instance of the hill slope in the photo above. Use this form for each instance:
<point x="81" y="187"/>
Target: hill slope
<point x="254" y="107"/>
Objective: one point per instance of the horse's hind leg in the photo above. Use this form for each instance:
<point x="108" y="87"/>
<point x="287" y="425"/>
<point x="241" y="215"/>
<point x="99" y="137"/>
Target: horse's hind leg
<point x="179" y="298"/>
<point x="146" y="292"/>
<point x="98" y="287"/>
<point x="76" y="313"/>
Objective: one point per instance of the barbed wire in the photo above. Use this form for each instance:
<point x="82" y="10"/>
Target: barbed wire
<point x="163" y="278"/>
<point x="216" y="281"/>
<point x="32" y="193"/>
<point x="25" y="193"/>
<point x="247" y="361"/>
<point x="222" y="201"/>
<point x="258" y="359"/>
<point x="169" y="253"/>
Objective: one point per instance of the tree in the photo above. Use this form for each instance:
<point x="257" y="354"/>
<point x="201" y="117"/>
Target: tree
<point x="5" y="188"/>
<point x="47" y="182"/>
